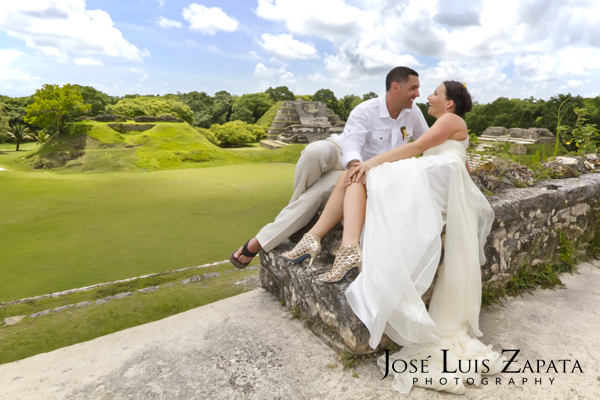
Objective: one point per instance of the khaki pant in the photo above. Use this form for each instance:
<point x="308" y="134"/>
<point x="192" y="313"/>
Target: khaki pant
<point x="317" y="172"/>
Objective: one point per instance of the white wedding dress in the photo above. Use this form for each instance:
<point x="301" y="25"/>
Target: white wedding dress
<point x="409" y="202"/>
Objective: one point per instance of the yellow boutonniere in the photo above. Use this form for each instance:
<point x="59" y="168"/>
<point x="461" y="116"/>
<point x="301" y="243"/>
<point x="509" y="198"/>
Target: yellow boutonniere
<point x="404" y="134"/>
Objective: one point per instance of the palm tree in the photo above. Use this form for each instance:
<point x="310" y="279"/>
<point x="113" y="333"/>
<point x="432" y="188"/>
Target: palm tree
<point x="19" y="132"/>
<point x="41" y="137"/>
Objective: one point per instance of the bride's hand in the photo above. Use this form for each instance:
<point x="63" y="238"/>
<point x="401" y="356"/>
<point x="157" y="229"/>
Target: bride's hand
<point x="360" y="170"/>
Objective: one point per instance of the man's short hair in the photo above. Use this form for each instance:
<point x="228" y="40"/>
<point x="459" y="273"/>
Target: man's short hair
<point x="400" y="75"/>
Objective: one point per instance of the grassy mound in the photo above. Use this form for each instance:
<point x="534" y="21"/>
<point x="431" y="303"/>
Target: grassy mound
<point x="90" y="146"/>
<point x="267" y="117"/>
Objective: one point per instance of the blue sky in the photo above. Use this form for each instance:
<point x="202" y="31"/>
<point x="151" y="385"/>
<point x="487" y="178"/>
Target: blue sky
<point x="510" y="48"/>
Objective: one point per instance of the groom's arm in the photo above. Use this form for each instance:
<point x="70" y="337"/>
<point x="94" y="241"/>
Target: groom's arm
<point x="354" y="138"/>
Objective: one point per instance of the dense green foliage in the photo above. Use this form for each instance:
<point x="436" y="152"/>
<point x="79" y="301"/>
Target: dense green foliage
<point x="250" y="107"/>
<point x="347" y="104"/>
<point x="528" y="113"/>
<point x="14" y="109"/>
<point x="96" y="99"/>
<point x="208" y="110"/>
<point x="53" y="104"/>
<point x="152" y="106"/>
<point x="369" y="96"/>
<point x="280" y="93"/>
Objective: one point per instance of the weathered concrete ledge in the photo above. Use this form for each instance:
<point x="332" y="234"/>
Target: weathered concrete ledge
<point x="526" y="232"/>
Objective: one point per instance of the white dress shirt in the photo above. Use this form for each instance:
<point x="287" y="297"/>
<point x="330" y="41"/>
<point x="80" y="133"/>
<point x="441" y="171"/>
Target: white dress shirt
<point x="371" y="131"/>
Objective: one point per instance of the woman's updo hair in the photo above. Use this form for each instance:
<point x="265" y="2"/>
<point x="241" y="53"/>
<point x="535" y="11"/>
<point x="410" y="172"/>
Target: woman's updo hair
<point x="458" y="93"/>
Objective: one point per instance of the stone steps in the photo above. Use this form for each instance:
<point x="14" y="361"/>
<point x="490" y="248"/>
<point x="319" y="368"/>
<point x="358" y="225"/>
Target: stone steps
<point x="508" y="139"/>
<point x="272" y="144"/>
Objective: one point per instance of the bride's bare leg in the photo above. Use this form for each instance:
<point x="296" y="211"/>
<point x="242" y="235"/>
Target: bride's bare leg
<point x="333" y="212"/>
<point x="355" y="205"/>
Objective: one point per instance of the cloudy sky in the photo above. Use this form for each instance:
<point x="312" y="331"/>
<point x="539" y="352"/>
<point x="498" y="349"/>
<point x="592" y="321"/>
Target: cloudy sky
<point x="509" y="48"/>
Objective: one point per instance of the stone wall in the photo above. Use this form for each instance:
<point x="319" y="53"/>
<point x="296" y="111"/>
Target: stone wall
<point x="304" y="122"/>
<point x="124" y="128"/>
<point x="525" y="232"/>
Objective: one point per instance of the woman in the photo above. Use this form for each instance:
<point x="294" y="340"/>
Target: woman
<point x="410" y="200"/>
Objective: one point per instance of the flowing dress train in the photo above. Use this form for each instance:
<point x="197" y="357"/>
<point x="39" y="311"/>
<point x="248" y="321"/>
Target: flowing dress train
<point x="408" y="204"/>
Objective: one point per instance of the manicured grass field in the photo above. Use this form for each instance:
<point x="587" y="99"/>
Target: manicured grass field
<point x="62" y="231"/>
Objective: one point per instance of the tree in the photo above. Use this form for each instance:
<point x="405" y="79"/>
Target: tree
<point x="242" y="114"/>
<point x="256" y="103"/>
<point x="222" y="107"/>
<point x="15" y="108"/>
<point x="41" y="137"/>
<point x="369" y="96"/>
<point x="201" y="105"/>
<point x="280" y="93"/>
<point x="345" y="105"/>
<point x="327" y="97"/>
<point x="95" y="98"/>
<point x="428" y="118"/>
<point x="19" y="132"/>
<point x="52" y="104"/>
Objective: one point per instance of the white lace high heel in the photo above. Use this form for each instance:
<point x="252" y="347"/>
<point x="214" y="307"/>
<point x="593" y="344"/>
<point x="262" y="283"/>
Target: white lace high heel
<point x="308" y="246"/>
<point x="346" y="259"/>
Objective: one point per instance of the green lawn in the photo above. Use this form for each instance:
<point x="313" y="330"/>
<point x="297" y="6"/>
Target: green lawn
<point x="62" y="231"/>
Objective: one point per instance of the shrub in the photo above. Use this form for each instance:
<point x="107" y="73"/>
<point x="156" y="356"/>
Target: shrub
<point x="237" y="132"/>
<point x="208" y="134"/>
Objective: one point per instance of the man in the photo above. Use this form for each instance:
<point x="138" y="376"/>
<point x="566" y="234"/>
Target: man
<point x="373" y="127"/>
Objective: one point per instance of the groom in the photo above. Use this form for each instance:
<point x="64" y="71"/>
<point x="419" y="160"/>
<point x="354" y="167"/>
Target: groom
<point x="373" y="127"/>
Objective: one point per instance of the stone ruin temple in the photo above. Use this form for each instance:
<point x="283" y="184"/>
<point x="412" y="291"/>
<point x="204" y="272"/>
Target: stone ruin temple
<point x="302" y="122"/>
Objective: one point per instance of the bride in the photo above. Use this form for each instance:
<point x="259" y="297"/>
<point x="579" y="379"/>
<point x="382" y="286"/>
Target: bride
<point x="409" y="202"/>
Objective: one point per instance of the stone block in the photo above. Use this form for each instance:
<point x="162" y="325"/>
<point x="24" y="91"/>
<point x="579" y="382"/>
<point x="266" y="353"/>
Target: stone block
<point x="124" y="128"/>
<point x="13" y="320"/>
<point x="542" y="132"/>
<point x="518" y="149"/>
<point x="148" y="289"/>
<point x="108" y="118"/>
<point x="495" y="131"/>
<point x="523" y="133"/>
<point x="160" y="118"/>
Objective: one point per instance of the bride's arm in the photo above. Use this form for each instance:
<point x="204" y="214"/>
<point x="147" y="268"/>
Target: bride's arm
<point x="442" y="129"/>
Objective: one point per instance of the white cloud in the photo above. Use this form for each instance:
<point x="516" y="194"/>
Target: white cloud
<point x="509" y="48"/>
<point x="87" y="61"/>
<point x="325" y="18"/>
<point x="317" y="78"/>
<point x="287" y="48"/>
<point x="254" y="55"/>
<point x="14" y="80"/>
<point x="58" y="27"/>
<point x="137" y="70"/>
<point x="7" y="56"/>
<point x="273" y="76"/>
<point x="143" y="78"/>
<point x="167" y="23"/>
<point x="208" y="20"/>
<point x="260" y="71"/>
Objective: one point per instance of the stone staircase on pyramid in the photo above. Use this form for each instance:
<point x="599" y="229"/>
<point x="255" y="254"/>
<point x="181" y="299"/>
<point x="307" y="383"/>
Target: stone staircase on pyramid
<point x="518" y="139"/>
<point x="302" y="122"/>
